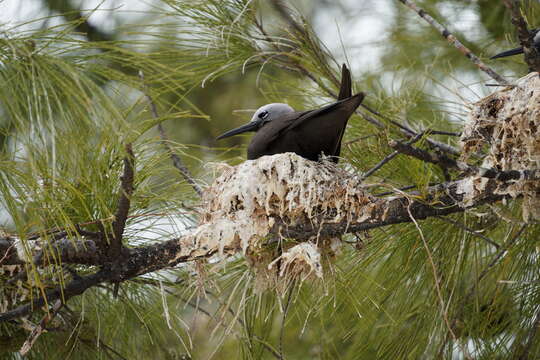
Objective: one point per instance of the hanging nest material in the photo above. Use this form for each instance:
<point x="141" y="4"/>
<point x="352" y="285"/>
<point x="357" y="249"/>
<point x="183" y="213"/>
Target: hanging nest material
<point x="506" y="127"/>
<point x="254" y="199"/>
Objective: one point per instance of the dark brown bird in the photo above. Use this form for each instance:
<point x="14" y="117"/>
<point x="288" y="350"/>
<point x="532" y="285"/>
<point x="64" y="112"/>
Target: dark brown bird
<point x="280" y="129"/>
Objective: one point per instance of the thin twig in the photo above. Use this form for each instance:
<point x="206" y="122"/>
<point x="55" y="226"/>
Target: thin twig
<point x="446" y="162"/>
<point x="497" y="257"/>
<point x="401" y="189"/>
<point x="7" y="252"/>
<point x="360" y="138"/>
<point x="526" y="37"/>
<point x="126" y="190"/>
<point x="437" y="283"/>
<point x="38" y="330"/>
<point x="442" y="160"/>
<point x="454" y="41"/>
<point x="502" y="251"/>
<point x="381" y="163"/>
<point x="500" y="85"/>
<point x="472" y="231"/>
<point x="177" y="162"/>
<point x="283" y="319"/>
<point x="441" y="132"/>
<point x="411" y="133"/>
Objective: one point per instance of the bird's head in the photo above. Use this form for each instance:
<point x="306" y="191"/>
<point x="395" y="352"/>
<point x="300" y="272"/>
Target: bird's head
<point x="262" y="116"/>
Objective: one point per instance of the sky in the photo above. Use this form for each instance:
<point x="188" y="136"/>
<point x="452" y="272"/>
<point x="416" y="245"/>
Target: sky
<point x="357" y="38"/>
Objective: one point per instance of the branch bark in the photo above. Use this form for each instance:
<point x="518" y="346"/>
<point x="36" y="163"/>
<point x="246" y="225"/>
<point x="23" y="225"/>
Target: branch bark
<point x="126" y="190"/>
<point x="446" y="162"/>
<point x="454" y="41"/>
<point x="442" y="199"/>
<point x="177" y="162"/>
<point x="526" y="37"/>
<point x="305" y="37"/>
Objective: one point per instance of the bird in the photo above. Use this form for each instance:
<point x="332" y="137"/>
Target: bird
<point x="519" y="50"/>
<point x="279" y="128"/>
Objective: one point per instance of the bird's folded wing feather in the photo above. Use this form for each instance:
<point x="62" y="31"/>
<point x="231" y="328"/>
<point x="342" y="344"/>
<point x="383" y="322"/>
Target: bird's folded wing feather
<point x="351" y="102"/>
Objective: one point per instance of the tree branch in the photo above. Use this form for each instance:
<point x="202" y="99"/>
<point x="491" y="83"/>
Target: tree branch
<point x="454" y="41"/>
<point x="177" y="162"/>
<point x="280" y="8"/>
<point x="74" y="14"/>
<point x="38" y="330"/>
<point x="526" y="37"/>
<point x="388" y="158"/>
<point x="469" y="230"/>
<point x="8" y="252"/>
<point x="470" y="170"/>
<point x="126" y="190"/>
<point x="440" y="200"/>
<point x="441" y="160"/>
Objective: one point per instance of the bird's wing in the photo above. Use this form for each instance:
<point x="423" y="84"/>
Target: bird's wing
<point x="350" y="103"/>
<point x="328" y="124"/>
<point x="345" y="91"/>
<point x="263" y="138"/>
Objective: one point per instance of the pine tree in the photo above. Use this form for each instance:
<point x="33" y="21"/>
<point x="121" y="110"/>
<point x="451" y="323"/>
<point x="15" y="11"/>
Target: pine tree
<point x="106" y="149"/>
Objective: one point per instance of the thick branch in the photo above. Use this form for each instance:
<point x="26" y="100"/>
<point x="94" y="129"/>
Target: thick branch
<point x="443" y="199"/>
<point x="67" y="251"/>
<point x="76" y="287"/>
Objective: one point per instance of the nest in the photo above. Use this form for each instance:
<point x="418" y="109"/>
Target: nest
<point x="254" y="199"/>
<point x="506" y="127"/>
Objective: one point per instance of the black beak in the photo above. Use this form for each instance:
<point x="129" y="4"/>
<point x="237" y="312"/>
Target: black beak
<point x="251" y="126"/>
<point x="508" y="53"/>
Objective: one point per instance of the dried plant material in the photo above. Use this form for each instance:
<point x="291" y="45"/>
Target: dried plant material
<point x="243" y="204"/>
<point x="11" y="292"/>
<point x="506" y="127"/>
<point x="302" y="259"/>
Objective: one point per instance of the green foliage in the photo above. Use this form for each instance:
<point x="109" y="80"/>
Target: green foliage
<point x="69" y="106"/>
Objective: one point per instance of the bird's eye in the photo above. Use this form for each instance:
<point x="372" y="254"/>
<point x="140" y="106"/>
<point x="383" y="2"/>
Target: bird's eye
<point x="263" y="114"/>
